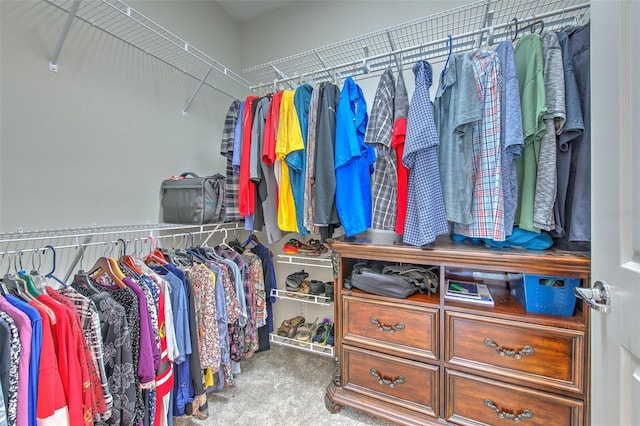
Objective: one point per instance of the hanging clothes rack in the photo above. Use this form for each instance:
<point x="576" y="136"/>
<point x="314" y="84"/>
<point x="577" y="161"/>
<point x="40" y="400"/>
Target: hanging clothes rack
<point x="471" y="25"/>
<point x="75" y="241"/>
<point x="125" y="23"/>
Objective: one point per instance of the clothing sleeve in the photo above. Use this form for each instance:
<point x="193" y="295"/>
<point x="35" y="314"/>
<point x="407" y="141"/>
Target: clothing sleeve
<point x="346" y="138"/>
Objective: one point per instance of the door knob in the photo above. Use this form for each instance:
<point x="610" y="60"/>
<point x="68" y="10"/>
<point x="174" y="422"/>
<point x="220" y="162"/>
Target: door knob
<point x="597" y="297"/>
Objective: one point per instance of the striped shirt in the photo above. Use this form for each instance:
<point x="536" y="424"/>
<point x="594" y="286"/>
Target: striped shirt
<point x="378" y="135"/>
<point x="227" y="150"/>
<point x="487" y="208"/>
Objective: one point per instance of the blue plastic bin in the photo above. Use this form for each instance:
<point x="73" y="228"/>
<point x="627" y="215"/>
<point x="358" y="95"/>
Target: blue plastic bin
<point x="546" y="294"/>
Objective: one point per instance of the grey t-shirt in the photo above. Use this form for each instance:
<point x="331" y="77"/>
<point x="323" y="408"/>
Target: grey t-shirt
<point x="511" y="135"/>
<point x="554" y="119"/>
<point x="456" y="108"/>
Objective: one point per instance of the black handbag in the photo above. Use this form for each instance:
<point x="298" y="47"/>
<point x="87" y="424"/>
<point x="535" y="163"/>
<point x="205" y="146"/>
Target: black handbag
<point x="194" y="200"/>
<point x="392" y="279"/>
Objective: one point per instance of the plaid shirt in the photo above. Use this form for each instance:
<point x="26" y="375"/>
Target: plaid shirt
<point x="487" y="207"/>
<point x="385" y="181"/>
<point x="226" y="150"/>
<point x="426" y="218"/>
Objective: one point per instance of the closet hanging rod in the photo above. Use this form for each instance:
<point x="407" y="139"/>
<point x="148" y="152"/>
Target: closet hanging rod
<point x="126" y="24"/>
<point x="39" y="235"/>
<point x="489" y="29"/>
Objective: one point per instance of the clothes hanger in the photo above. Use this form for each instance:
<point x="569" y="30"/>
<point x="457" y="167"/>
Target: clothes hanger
<point x="29" y="287"/>
<point x="39" y="280"/>
<point x="531" y="26"/>
<point x="81" y="277"/>
<point x="224" y="244"/>
<point x="108" y="266"/>
<point x="104" y="266"/>
<point x="446" y="64"/>
<point x="15" y="285"/>
<point x="128" y="260"/>
<point x="53" y="266"/>
<point x="155" y="256"/>
<point x="3" y="286"/>
<point x="197" y="256"/>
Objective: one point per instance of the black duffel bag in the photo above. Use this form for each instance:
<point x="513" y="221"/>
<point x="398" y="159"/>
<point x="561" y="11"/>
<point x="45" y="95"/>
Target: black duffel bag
<point x="194" y="200"/>
<point x="393" y="279"/>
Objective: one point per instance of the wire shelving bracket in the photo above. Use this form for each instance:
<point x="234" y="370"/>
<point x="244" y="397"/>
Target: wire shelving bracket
<point x="125" y="23"/>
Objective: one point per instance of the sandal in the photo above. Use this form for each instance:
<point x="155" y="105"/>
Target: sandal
<point x="304" y="290"/>
<point x="311" y="246"/>
<point x="302" y="247"/>
<point x="295" y="322"/>
<point x="318" y="251"/>
<point x="284" y="328"/>
<point x="305" y="331"/>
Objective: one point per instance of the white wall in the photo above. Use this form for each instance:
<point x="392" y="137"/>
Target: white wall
<point x="91" y="143"/>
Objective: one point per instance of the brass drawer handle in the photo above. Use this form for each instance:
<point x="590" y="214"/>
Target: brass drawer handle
<point x="524" y="414"/>
<point x="527" y="350"/>
<point x="386" y="380"/>
<point x="386" y="327"/>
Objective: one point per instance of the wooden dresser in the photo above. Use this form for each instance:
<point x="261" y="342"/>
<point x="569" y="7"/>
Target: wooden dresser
<point x="427" y="360"/>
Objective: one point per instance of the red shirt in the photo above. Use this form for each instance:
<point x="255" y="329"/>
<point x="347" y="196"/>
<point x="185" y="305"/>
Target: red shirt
<point x="271" y="133"/>
<point x="397" y="142"/>
<point x="98" y="403"/>
<point x="51" y="396"/>
<point x="271" y="130"/>
<point x="71" y="372"/>
<point x="164" y="376"/>
<point x="246" y="188"/>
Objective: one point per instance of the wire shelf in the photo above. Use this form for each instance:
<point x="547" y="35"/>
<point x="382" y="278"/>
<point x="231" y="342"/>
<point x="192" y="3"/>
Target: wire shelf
<point x="300" y="297"/>
<point x="305" y="346"/>
<point x="317" y="261"/>
<point x="125" y="23"/>
<point x="471" y="26"/>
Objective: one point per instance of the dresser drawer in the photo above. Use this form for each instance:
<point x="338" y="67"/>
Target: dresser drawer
<point x="406" y="330"/>
<point x="541" y="355"/>
<point x="394" y="380"/>
<point x="473" y="400"/>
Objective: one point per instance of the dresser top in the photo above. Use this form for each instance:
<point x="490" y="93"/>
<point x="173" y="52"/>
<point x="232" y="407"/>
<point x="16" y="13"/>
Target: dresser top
<point x="384" y="245"/>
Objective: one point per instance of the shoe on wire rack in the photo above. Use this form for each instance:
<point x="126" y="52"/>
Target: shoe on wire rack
<point x="295" y="323"/>
<point x="319" y="336"/>
<point x="306" y="330"/>
<point x="327" y="336"/>
<point x="295" y="280"/>
<point x="331" y="338"/>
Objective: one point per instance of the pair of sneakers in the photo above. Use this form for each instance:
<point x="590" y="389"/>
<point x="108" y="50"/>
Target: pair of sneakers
<point x="325" y="334"/>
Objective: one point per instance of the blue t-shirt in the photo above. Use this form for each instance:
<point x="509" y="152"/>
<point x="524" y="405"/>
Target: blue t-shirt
<point x="354" y="160"/>
<point x="297" y="160"/>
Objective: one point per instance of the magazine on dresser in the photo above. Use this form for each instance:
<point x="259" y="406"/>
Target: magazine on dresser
<point x="465" y="291"/>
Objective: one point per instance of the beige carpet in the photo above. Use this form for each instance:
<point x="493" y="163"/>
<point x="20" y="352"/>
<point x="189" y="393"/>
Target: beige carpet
<point x="281" y="386"/>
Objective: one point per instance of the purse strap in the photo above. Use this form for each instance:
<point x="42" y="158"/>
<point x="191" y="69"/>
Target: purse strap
<point x="219" y="184"/>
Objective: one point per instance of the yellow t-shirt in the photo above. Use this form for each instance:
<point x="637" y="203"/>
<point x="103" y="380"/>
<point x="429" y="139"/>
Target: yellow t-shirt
<point x="289" y="139"/>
